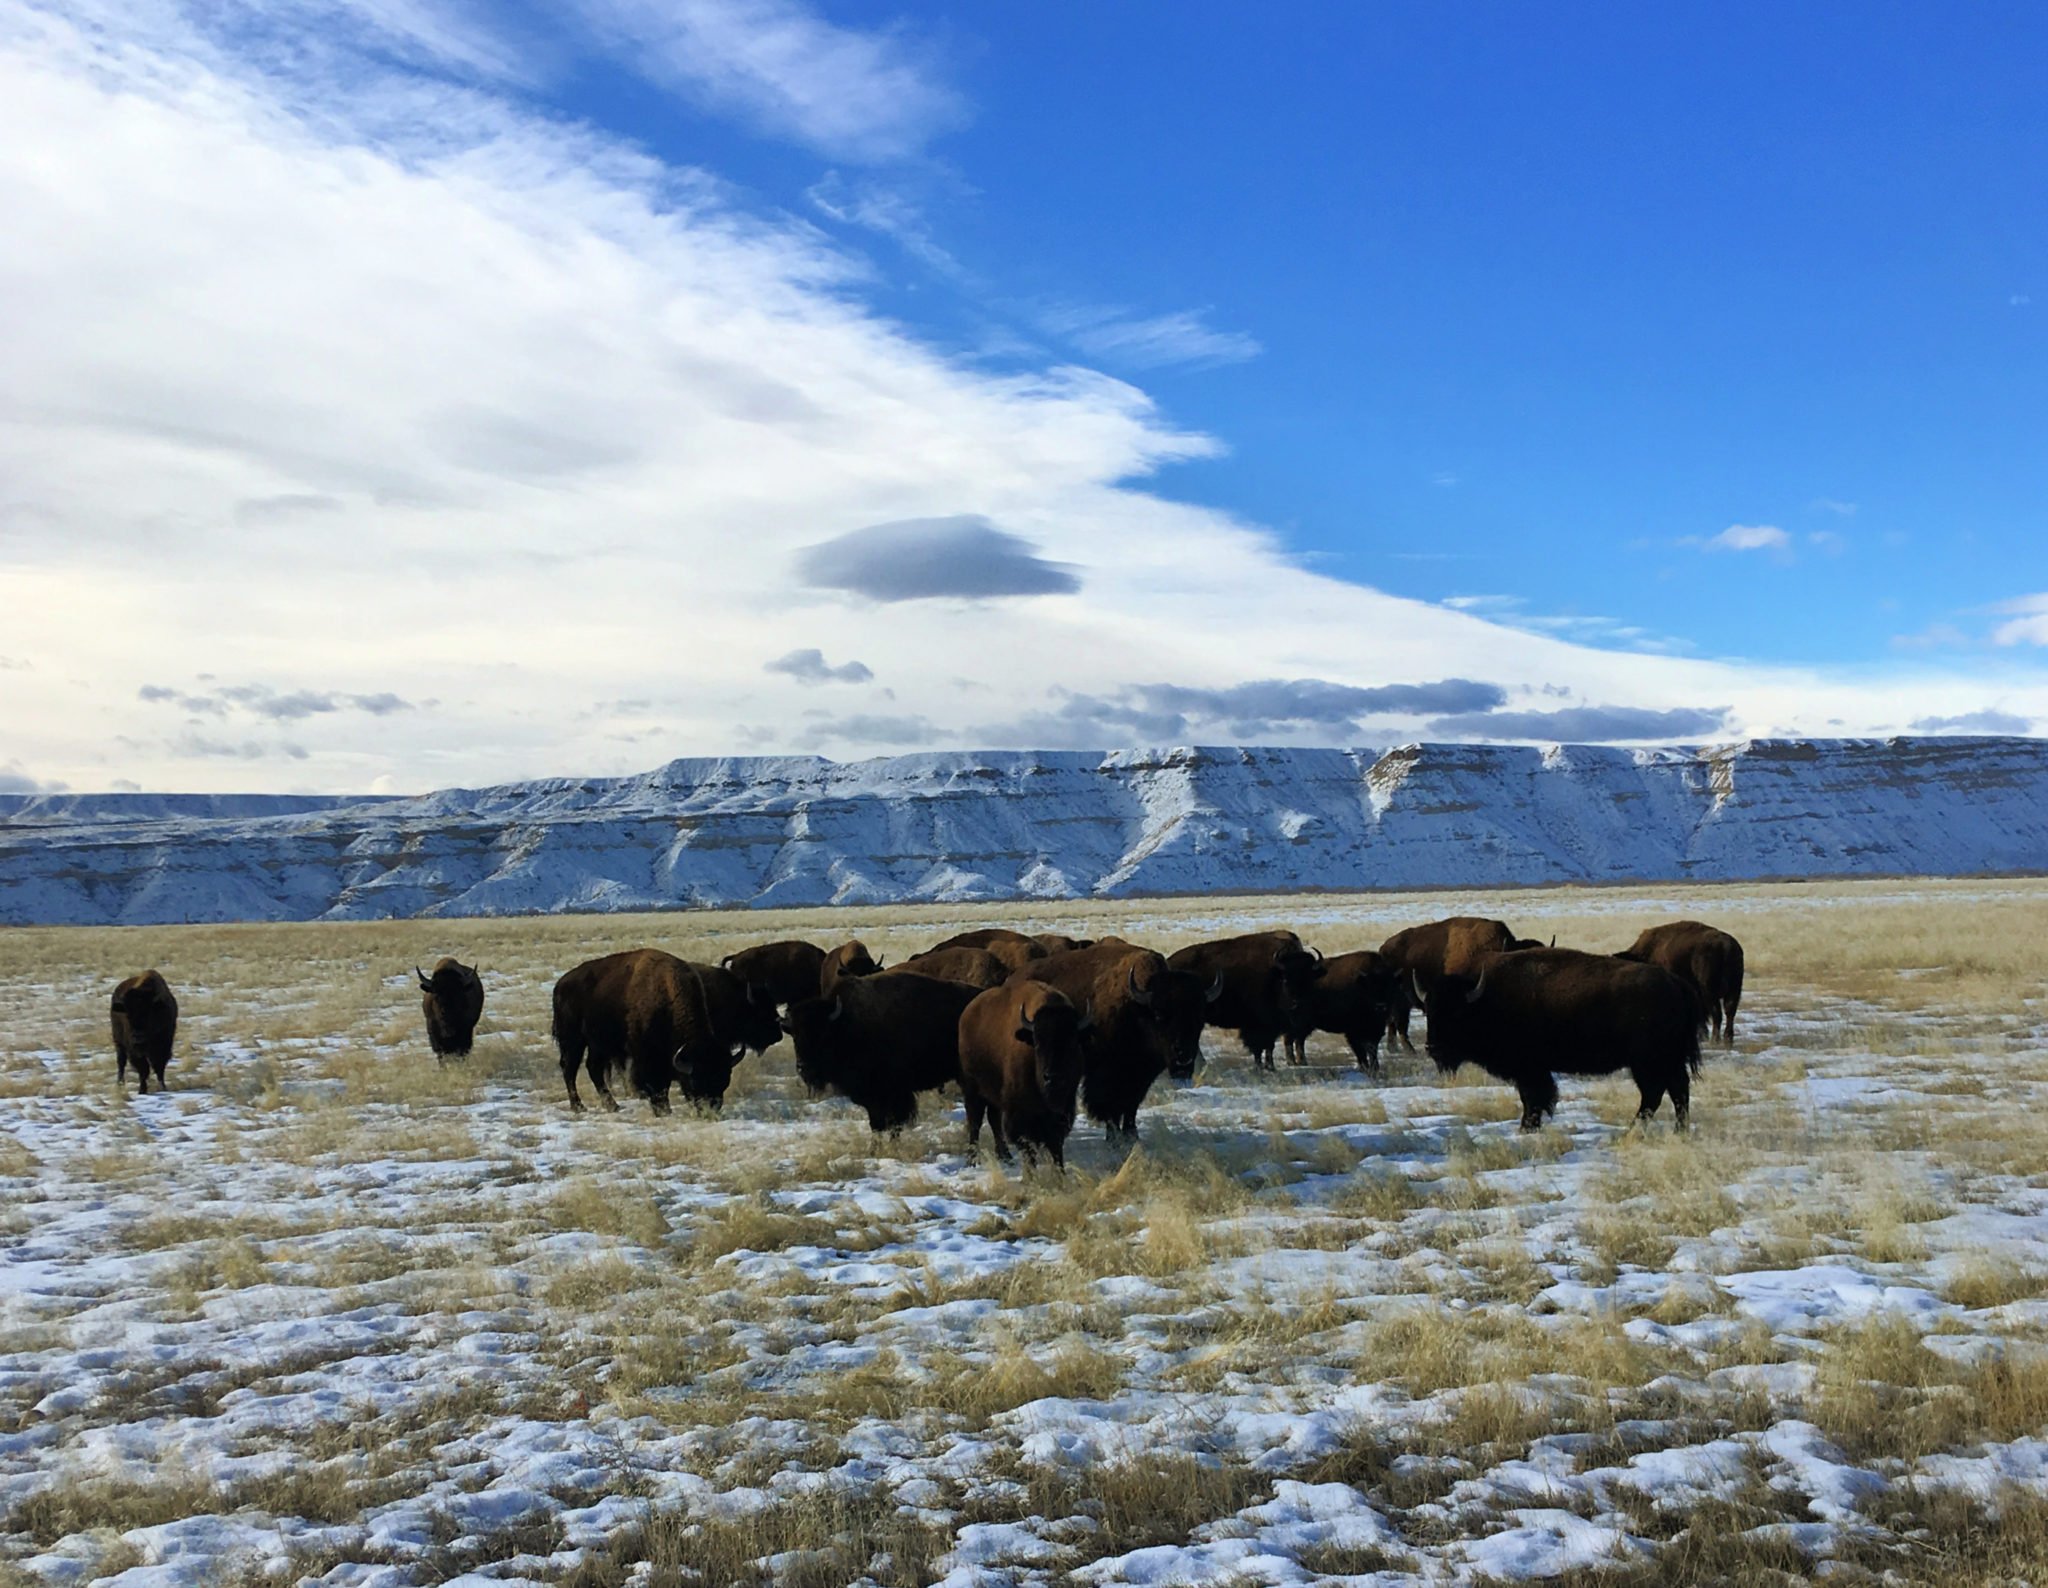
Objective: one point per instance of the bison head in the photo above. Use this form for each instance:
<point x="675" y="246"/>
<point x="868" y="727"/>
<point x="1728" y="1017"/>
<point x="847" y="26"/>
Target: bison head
<point x="1053" y="1029"/>
<point x="1450" y="1005"/>
<point x="1175" y="1003"/>
<point x="759" y="1029"/>
<point x="815" y="1029"/>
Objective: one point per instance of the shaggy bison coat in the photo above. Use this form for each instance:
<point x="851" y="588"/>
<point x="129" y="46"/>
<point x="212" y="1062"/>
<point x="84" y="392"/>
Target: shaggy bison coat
<point x="784" y="971"/>
<point x="849" y="960"/>
<point x="880" y="1040"/>
<point x="1147" y="1020"/>
<point x="145" y="1022"/>
<point x="974" y="966"/>
<point x="1527" y="1018"/>
<point x="1021" y="1060"/>
<point x="1351" y="995"/>
<point x="1256" y="977"/>
<point x="1452" y="946"/>
<point x="662" y="1020"/>
<point x="453" y="1001"/>
<point x="1014" y="949"/>
<point x="1706" y="959"/>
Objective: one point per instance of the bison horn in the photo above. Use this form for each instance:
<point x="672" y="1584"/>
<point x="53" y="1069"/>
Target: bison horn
<point x="429" y="986"/>
<point x="838" y="1007"/>
<point x="1553" y="940"/>
<point x="880" y="962"/>
<point x="1415" y="980"/>
<point x="726" y="963"/>
<point x="1478" y="986"/>
<point x="1087" y="1017"/>
<point x="1215" y="991"/>
<point x="1141" y="995"/>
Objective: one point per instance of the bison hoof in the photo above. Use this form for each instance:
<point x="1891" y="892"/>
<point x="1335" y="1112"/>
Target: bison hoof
<point x="611" y="1105"/>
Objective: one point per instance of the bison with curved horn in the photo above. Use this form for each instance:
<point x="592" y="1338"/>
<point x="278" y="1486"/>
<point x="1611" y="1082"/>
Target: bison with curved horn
<point x="453" y="1001"/>
<point x="1529" y="1017"/>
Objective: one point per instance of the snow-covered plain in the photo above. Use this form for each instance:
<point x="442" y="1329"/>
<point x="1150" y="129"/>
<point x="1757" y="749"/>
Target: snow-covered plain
<point x="324" y="1311"/>
<point x="785" y="831"/>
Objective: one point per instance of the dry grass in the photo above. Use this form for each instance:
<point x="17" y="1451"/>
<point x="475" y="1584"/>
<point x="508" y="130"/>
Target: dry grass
<point x="460" y="1191"/>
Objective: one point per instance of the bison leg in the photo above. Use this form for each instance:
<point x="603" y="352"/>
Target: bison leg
<point x="1366" y="1051"/>
<point x="995" y="1130"/>
<point x="976" y="1108"/>
<point x="1397" y="1022"/>
<point x="1652" y="1092"/>
<point x="120" y="1065"/>
<point x="657" y="1097"/>
<point x="1539" y="1098"/>
<point x="161" y="1085"/>
<point x="1681" y="1097"/>
<point x="1728" y="1017"/>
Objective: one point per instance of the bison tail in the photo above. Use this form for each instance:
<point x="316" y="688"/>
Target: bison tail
<point x="1692" y="1051"/>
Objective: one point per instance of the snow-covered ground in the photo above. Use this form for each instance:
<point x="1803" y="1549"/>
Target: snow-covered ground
<point x="326" y="1312"/>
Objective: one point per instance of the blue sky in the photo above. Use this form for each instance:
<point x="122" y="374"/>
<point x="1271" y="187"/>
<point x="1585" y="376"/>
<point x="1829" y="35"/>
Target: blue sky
<point x="1539" y="293"/>
<point x="1327" y="374"/>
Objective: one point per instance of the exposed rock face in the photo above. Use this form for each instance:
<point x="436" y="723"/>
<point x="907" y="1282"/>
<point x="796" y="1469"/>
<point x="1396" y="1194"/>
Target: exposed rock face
<point x="1009" y="824"/>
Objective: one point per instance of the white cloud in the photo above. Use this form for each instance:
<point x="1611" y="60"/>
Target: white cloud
<point x="2028" y="623"/>
<point x="848" y="93"/>
<point x="383" y="383"/>
<point x="1748" y="537"/>
<point x="1153" y="342"/>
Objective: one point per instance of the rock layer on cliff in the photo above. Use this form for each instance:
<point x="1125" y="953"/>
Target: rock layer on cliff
<point x="800" y="830"/>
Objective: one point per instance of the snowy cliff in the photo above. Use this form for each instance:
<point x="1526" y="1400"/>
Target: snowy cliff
<point x="801" y="830"/>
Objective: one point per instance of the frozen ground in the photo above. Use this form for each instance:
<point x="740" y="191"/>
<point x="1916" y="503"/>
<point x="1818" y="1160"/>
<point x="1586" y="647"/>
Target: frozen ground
<point x="323" y="1312"/>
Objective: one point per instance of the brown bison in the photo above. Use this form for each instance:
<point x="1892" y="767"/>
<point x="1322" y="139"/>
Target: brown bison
<point x="1706" y="959"/>
<point x="849" y="959"/>
<point x="1014" y="949"/>
<point x="145" y="1019"/>
<point x="1351" y="995"/>
<point x="663" y="1020"/>
<point x="453" y="1000"/>
<point x="880" y="1040"/>
<point x="1527" y="1018"/>
<point x="785" y="971"/>
<point x="1060" y="943"/>
<point x="1147" y="1020"/>
<point x="1452" y="946"/>
<point x="1257" y="976"/>
<point x="975" y="966"/>
<point x="1021" y="1060"/>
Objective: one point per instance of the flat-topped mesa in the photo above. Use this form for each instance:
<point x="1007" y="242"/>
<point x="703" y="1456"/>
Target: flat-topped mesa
<point x="959" y="825"/>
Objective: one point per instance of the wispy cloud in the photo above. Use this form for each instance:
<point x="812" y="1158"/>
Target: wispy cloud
<point x="853" y="94"/>
<point x="810" y="667"/>
<point x="1745" y="537"/>
<point x="1828" y="504"/>
<point x="1989" y="720"/>
<point x="277" y="705"/>
<point x="2027" y="623"/>
<point x="1156" y="341"/>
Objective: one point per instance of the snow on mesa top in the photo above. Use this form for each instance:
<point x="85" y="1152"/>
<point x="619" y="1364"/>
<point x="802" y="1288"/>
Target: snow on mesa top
<point x="801" y="830"/>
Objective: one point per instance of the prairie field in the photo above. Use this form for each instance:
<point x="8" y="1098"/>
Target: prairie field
<point x="327" y="1310"/>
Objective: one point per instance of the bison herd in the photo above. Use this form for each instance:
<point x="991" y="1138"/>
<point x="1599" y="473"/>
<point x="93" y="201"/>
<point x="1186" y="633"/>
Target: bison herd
<point x="1037" y="1029"/>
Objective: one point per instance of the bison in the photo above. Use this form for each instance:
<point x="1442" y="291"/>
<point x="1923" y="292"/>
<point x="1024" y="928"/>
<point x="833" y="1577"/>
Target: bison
<point x="785" y="971"/>
<point x="1706" y="959"/>
<point x="975" y="966"/>
<point x="145" y="1021"/>
<point x="880" y="1040"/>
<point x="1351" y="995"/>
<point x="1147" y="1019"/>
<point x="1014" y="949"/>
<point x="1258" y="975"/>
<point x="1060" y="943"/>
<point x="1529" y="1017"/>
<point x="664" y="1020"/>
<point x="1021" y="1060"/>
<point x="1452" y="946"/>
<point x="850" y="959"/>
<point x="453" y="1000"/>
